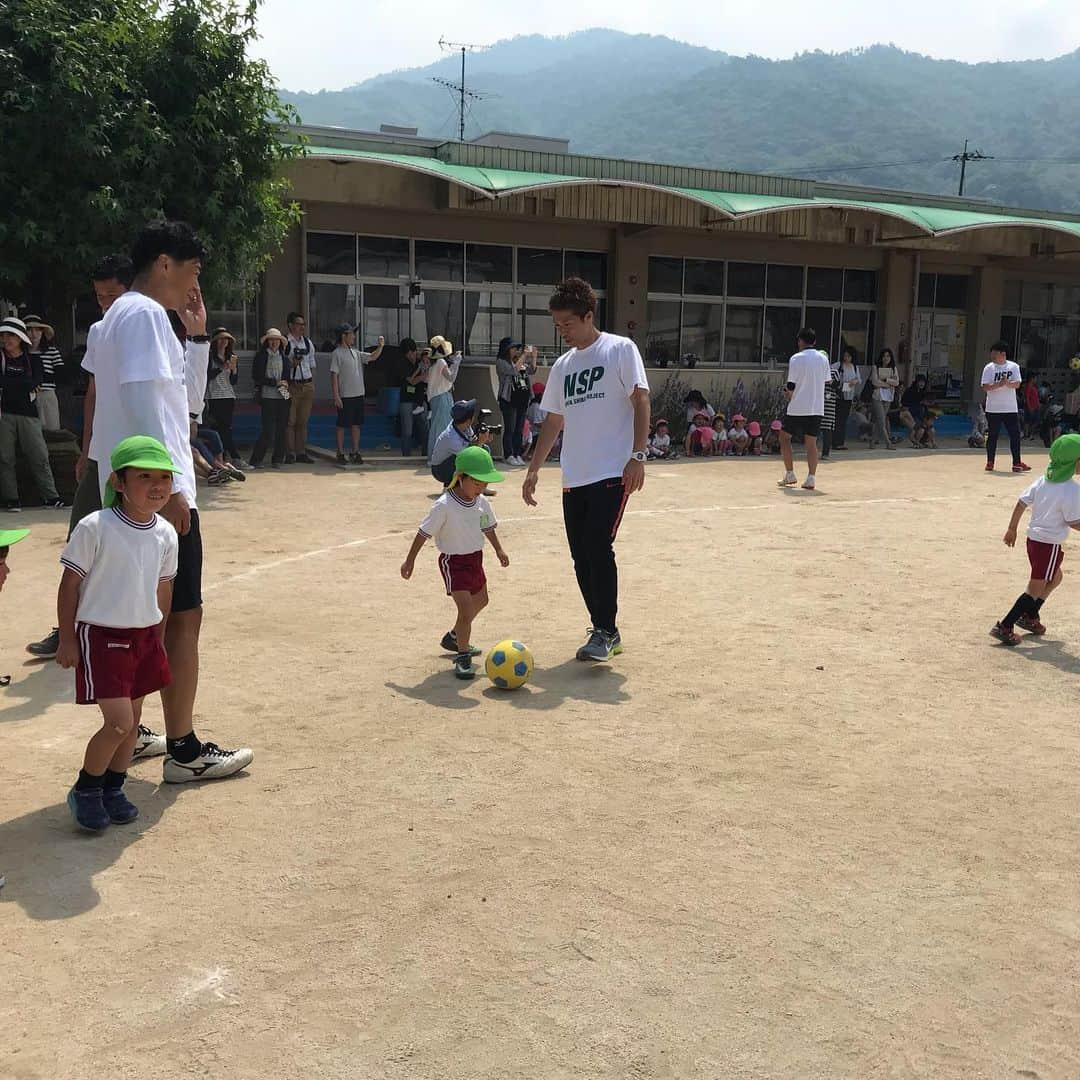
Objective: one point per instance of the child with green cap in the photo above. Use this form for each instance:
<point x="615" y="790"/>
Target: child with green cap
<point x="115" y="595"/>
<point x="1054" y="500"/>
<point x="458" y="523"/>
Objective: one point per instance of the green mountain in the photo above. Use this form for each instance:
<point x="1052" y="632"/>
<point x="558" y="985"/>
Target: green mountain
<point x="849" y="117"/>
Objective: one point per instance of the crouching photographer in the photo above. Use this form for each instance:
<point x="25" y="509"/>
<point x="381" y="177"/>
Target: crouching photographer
<point x="468" y="427"/>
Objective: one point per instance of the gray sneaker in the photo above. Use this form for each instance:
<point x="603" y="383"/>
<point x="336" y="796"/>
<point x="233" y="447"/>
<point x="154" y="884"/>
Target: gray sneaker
<point x="600" y="646"/>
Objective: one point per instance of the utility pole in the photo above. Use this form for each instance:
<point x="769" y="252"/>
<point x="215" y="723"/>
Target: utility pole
<point x="459" y="88"/>
<point x="964" y="158"/>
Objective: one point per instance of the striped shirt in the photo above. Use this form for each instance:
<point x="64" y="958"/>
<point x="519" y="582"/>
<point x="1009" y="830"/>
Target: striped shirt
<point x="51" y="361"/>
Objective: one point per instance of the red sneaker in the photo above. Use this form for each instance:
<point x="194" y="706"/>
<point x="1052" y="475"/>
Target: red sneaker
<point x="1005" y="635"/>
<point x="1031" y="624"/>
<point x="989" y="466"/>
<point x="1021" y="467"/>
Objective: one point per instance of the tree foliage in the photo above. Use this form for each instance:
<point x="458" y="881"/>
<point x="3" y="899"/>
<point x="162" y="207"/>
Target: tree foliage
<point x="113" y="112"/>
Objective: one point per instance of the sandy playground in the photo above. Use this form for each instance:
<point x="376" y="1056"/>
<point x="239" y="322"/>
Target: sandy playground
<point x="813" y="822"/>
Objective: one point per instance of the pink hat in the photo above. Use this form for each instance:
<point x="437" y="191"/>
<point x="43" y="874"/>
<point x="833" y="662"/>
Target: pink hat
<point x="660" y="423"/>
<point x="776" y="426"/>
<point x="737" y="416"/>
<point x="754" y="428"/>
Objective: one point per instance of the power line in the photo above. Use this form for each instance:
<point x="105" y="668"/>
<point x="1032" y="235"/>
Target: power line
<point x="859" y="165"/>
<point x="964" y="158"/>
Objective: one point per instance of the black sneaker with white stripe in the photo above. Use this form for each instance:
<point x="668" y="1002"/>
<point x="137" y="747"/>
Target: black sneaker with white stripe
<point x="212" y="764"/>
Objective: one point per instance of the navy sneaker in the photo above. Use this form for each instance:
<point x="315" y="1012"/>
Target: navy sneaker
<point x="601" y="645"/>
<point x="463" y="668"/>
<point x="118" y="806"/>
<point x="88" y="810"/>
<point x="449" y="644"/>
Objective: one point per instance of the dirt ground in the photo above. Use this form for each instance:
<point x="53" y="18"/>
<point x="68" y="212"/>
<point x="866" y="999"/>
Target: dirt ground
<point x="812" y="823"/>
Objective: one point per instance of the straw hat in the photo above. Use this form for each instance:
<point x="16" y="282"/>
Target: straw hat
<point x="273" y="332"/>
<point x="11" y="325"/>
<point x="34" y="321"/>
<point x="440" y="345"/>
<point x="221" y="332"/>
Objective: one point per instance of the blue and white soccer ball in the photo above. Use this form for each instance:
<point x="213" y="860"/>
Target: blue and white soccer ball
<point x="509" y="664"/>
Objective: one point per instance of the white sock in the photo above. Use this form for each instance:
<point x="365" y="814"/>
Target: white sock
<point x="810" y="479"/>
<point x="790" y="475"/>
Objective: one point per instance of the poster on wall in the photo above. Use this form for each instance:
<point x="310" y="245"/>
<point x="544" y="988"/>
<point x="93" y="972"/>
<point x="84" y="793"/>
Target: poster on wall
<point x="939" y="351"/>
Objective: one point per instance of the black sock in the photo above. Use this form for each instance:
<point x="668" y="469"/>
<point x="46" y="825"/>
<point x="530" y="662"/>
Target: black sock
<point x="1039" y="603"/>
<point x="1024" y="606"/>
<point x="186" y="749"/>
<point x="88" y="782"/>
<point x="114" y="781"/>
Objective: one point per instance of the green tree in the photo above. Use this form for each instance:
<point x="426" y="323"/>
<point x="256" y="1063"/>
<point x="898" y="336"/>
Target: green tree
<point x="113" y="112"/>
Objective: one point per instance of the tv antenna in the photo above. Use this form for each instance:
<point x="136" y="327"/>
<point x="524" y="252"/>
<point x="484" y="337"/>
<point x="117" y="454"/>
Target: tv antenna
<point x="462" y="91"/>
<point x="965" y="157"/>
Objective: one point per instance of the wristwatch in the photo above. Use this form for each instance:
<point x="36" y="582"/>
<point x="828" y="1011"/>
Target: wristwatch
<point x="639" y="455"/>
<point x="198" y="339"/>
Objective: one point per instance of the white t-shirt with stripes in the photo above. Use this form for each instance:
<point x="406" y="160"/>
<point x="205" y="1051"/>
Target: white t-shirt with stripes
<point x="120" y="562"/>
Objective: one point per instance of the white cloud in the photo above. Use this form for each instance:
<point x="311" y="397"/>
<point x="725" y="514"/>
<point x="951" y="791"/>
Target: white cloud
<point x="328" y="44"/>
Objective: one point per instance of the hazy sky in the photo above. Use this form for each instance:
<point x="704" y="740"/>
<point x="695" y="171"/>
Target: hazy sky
<point x="328" y="44"/>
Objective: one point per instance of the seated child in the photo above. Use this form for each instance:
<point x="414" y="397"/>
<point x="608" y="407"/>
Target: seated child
<point x="738" y="436"/>
<point x="660" y="441"/>
<point x="772" y="439"/>
<point x="980" y="427"/>
<point x="924" y="430"/>
<point x="754" y="430"/>
<point x="699" y="436"/>
<point x="720" y="441"/>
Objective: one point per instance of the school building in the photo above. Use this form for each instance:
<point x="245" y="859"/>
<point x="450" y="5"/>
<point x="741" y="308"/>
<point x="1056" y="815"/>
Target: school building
<point x="409" y="236"/>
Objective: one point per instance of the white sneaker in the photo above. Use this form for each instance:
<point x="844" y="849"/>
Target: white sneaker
<point x="212" y="764"/>
<point x="809" y="483"/>
<point x="148" y="744"/>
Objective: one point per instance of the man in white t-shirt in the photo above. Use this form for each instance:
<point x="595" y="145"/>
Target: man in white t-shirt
<point x="808" y="372"/>
<point x="597" y="396"/>
<point x="141" y="381"/>
<point x="1001" y="379"/>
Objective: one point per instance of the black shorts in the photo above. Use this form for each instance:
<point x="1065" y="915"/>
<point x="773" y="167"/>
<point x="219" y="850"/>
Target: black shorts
<point x="351" y="414"/>
<point x="187" y="585"/>
<point x="803" y="427"/>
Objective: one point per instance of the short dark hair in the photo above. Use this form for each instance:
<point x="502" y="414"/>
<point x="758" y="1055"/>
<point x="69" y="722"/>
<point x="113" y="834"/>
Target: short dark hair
<point x="1000" y="346"/>
<point x="176" y="239"/>
<point x="407" y="345"/>
<point x="808" y="335"/>
<point x="292" y="317"/>
<point x="113" y="267"/>
<point x="574" y="294"/>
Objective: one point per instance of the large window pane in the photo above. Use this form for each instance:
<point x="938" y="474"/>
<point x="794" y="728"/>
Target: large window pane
<point x="539" y="266"/>
<point x="590" y="265"/>
<point x="384" y="312"/>
<point x="489" y="318"/>
<point x="600" y="318"/>
<point x="1011" y="296"/>
<point x="824" y="283"/>
<point x="1066" y="300"/>
<point x="665" y="275"/>
<point x="1064" y="343"/>
<point x="331" y="253"/>
<point x="746" y="279"/>
<point x="662" y="346"/>
<point x="1033" y="344"/>
<point x="825" y="322"/>
<point x="782" y="326"/>
<point x="489" y="262"/>
<point x="860" y="287"/>
<point x="329" y="306"/>
<point x="855" y="333"/>
<point x="439" y="260"/>
<point x="439" y="313"/>
<point x="742" y="341"/>
<point x="952" y="291"/>
<point x="535" y="324"/>
<point x="702" y="331"/>
<point x="1038" y="298"/>
<point x="785" y="282"/>
<point x="704" y="277"/>
<point x="927" y="284"/>
<point x="382" y="256"/>
<point x="1010" y="326"/>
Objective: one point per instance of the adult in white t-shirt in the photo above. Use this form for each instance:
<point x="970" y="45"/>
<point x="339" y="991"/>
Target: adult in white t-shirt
<point x="808" y="372"/>
<point x="142" y="383"/>
<point x="598" y="397"/>
<point x="1001" y="379"/>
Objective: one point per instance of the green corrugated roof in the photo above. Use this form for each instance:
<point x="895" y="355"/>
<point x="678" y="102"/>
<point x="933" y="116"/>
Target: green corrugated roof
<point x="499" y="183"/>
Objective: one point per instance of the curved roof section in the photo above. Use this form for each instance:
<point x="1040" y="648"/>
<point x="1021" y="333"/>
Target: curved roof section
<point x="492" y="183"/>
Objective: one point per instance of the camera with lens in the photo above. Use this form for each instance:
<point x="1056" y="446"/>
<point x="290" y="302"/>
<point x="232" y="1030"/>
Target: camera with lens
<point x="481" y="426"/>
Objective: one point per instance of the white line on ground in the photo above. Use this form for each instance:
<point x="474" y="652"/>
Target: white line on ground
<point x="785" y="503"/>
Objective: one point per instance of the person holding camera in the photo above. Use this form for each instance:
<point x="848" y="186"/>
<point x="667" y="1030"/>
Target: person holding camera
<point x="514" y="366"/>
<point x="443" y="370"/>
<point x="466" y="428"/>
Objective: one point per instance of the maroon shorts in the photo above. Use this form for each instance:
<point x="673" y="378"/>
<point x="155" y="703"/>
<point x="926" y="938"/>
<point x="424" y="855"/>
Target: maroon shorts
<point x="1045" y="559"/>
<point x="119" y="663"/>
<point x="463" y="573"/>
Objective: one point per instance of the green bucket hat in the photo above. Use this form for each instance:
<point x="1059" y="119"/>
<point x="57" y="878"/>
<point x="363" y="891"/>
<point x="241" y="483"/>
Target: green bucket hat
<point x="476" y="462"/>
<point x="1064" y="454"/>
<point x="137" y="452"/>
<point x="12" y="536"/>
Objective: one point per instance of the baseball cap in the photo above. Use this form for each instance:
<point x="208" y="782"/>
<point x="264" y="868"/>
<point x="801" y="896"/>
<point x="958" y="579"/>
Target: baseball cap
<point x="12" y="536"/>
<point x="776" y="425"/>
<point x="462" y="410"/>
<point x="754" y="429"/>
<point x="344" y="328"/>
<point x="476" y="462"/>
<point x="660" y="423"/>
<point x="737" y="416"/>
<point x="137" y="452"/>
<point x="508" y="343"/>
<point x="538" y="388"/>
